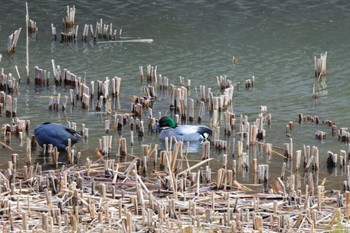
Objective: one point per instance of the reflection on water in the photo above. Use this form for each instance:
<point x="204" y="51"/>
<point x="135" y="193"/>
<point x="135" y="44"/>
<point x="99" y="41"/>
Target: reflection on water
<point x="320" y="88"/>
<point x="192" y="147"/>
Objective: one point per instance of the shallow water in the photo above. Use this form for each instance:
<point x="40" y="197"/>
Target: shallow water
<point x="275" y="41"/>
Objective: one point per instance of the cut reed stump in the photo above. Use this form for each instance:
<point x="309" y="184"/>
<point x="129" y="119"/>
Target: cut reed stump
<point x="69" y="20"/>
<point x="12" y="41"/>
<point x="320" y="65"/>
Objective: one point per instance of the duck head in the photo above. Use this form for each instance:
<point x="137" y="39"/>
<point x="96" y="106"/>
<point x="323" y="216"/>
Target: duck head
<point x="166" y="122"/>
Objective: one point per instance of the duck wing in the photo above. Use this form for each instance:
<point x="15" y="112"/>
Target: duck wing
<point x="186" y="132"/>
<point x="167" y="132"/>
<point x="72" y="134"/>
<point x="203" y="129"/>
<point x="56" y="134"/>
<point x="186" y="129"/>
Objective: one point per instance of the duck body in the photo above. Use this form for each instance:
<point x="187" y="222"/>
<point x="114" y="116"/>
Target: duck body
<point x="55" y="134"/>
<point x="170" y="129"/>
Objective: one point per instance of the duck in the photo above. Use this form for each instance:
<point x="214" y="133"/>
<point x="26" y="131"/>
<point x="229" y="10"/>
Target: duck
<point x="168" y="128"/>
<point x="56" y="134"/>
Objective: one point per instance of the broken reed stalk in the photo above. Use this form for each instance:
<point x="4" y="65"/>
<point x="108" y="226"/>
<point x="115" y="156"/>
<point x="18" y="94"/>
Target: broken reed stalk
<point x="12" y="41"/>
<point x="320" y="65"/>
<point x="27" y="41"/>
<point x="69" y="20"/>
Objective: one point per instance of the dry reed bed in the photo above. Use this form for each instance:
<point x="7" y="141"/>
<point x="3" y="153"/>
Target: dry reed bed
<point x="110" y="196"/>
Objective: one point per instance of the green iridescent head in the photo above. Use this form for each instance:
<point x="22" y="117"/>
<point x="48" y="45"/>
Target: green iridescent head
<point x="167" y="122"/>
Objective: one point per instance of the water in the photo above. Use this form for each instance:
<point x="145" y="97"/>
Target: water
<point x="275" y="41"/>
